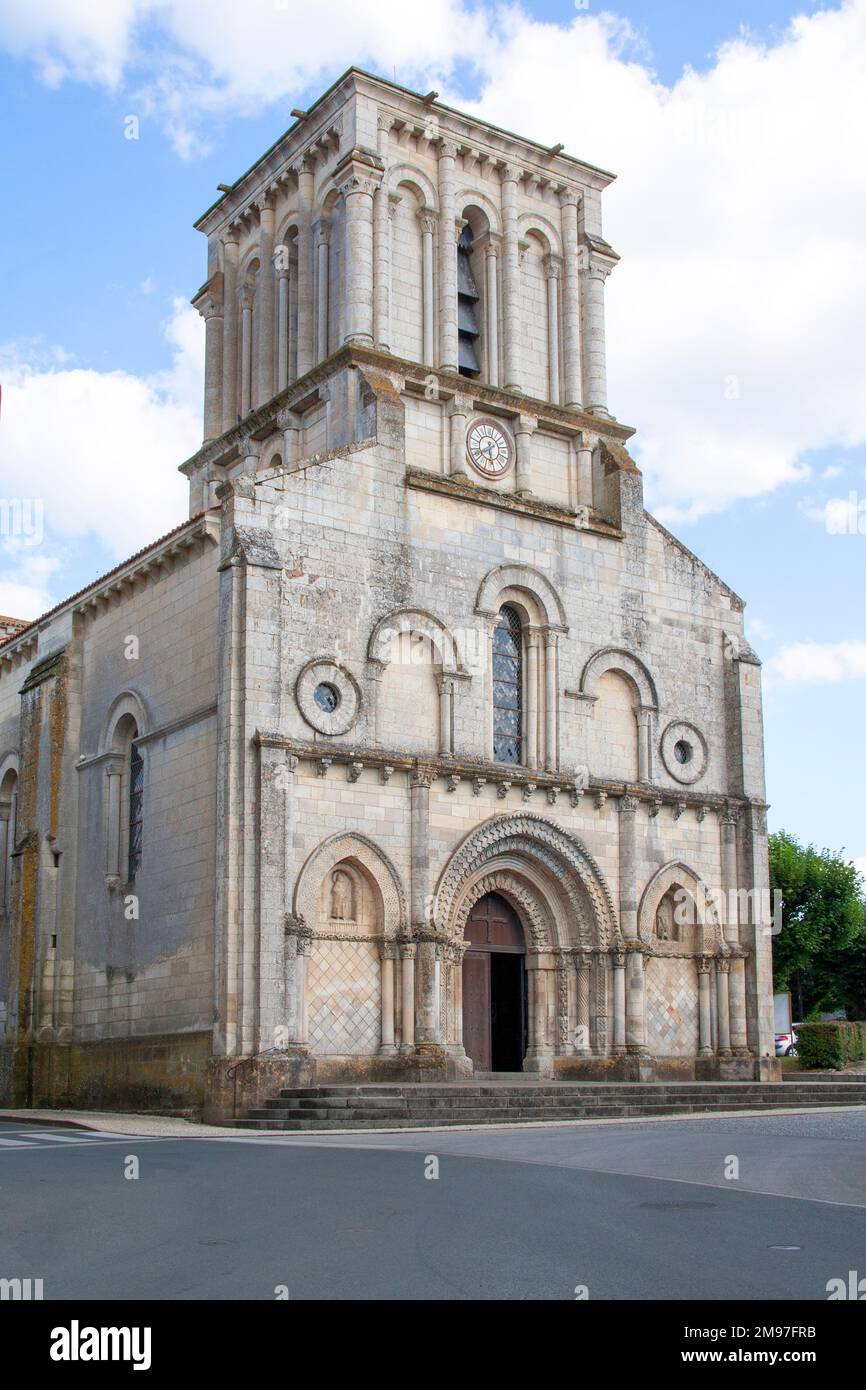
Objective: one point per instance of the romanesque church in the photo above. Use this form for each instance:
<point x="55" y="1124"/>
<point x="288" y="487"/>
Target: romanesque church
<point x="420" y="750"/>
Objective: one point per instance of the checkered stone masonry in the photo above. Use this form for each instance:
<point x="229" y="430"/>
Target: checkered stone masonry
<point x="344" y="993"/>
<point x="672" y="1007"/>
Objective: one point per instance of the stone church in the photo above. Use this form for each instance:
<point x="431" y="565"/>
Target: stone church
<point x="420" y="749"/>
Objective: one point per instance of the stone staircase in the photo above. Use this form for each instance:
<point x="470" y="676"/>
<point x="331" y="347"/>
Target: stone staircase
<point x="517" y="1101"/>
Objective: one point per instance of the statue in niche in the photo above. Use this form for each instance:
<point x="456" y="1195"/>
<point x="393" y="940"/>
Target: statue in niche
<point x="342" y="897"/>
<point x="666" y="923"/>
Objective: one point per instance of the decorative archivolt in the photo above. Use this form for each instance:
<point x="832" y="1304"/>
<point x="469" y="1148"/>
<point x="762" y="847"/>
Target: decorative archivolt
<point x="129" y="703"/>
<point x="469" y="198"/>
<point x="624" y="664"/>
<point x="570" y="896"/>
<point x="530" y="581"/>
<point x="525" y="898"/>
<point x="418" y="621"/>
<point x="421" y="185"/>
<point x="708" y="933"/>
<point x="530" y="224"/>
<point x="360" y="851"/>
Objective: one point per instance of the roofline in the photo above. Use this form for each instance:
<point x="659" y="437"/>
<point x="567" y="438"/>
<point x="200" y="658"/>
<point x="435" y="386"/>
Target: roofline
<point x="419" y="96"/>
<point x="7" y="643"/>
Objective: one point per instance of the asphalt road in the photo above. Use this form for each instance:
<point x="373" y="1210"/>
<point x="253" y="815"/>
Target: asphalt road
<point x="636" y="1211"/>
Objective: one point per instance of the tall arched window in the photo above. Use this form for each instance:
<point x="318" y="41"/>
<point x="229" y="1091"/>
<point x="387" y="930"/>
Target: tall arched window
<point x="136" y="805"/>
<point x="8" y="809"/>
<point x="468" y="331"/>
<point x="508" y="687"/>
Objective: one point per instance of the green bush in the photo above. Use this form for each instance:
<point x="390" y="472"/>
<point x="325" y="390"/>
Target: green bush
<point x="831" y="1045"/>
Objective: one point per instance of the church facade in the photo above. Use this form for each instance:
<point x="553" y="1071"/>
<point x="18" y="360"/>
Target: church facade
<point x="420" y="749"/>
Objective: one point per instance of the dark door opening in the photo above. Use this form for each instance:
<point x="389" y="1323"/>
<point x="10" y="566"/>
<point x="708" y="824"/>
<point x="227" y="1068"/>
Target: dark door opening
<point x="494" y="987"/>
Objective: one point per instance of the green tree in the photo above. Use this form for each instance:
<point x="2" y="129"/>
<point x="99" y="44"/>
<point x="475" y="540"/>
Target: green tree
<point x="820" y="953"/>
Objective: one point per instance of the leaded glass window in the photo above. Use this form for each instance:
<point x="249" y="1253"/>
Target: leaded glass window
<point x="136" y="806"/>
<point x="507" y="687"/>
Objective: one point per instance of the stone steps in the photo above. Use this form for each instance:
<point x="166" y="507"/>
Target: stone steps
<point x="477" y="1103"/>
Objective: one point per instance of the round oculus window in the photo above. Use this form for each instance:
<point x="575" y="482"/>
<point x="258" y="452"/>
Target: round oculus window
<point x="326" y="696"/>
<point x="684" y="752"/>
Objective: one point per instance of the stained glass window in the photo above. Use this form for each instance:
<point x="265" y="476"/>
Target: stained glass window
<point x="507" y="684"/>
<point x="136" y="806"/>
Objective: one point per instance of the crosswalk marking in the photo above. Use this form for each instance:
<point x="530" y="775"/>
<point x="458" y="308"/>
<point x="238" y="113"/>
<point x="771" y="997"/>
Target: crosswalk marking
<point x="62" y="1138"/>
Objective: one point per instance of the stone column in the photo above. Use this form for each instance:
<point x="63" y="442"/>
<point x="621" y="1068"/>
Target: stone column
<point x="524" y="431"/>
<point x="427" y="220"/>
<point x="730" y="876"/>
<point x="459" y="952"/>
<point x="552" y="271"/>
<point x="569" y="201"/>
<point x="382" y="242"/>
<point x="635" y="1008"/>
<point x="304" y="172"/>
<point x="532" y="644"/>
<point x="705" y="1037"/>
<point x="212" y="313"/>
<point x="357" y="190"/>
<point x="265" y="297"/>
<point x="737" y="1004"/>
<point x="491" y="308"/>
<point x="723" y="966"/>
<point x="584" y="470"/>
<point x="511" y="279"/>
<point x="302" y="1024"/>
<point x="628" y="808"/>
<point x="290" y="425"/>
<point x="551" y="710"/>
<point x="618" y="1002"/>
<point x="283" y="329"/>
<point x="323" y="240"/>
<point x="458" y="409"/>
<point x="644" y="744"/>
<point x="582" y="1045"/>
<point x="113" y="786"/>
<point x="245" y="298"/>
<point x="594" y="353"/>
<point x="426" y="1016"/>
<point x="407" y="981"/>
<point x="230" y="331"/>
<point x="388" y="952"/>
<point x="5" y="858"/>
<point x="446" y="704"/>
<point x="447" y="258"/>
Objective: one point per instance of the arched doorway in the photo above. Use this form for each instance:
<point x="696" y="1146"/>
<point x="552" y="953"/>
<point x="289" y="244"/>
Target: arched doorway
<point x="494" y="987"/>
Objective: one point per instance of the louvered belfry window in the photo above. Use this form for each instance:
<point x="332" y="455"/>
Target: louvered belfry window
<point x="507" y="687"/>
<point x="468" y="331"/>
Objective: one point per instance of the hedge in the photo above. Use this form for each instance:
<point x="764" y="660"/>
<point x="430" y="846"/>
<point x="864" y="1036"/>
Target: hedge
<point x="831" y="1045"/>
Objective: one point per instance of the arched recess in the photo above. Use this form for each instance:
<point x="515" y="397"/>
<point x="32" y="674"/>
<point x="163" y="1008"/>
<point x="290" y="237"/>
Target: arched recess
<point x="554" y="884"/>
<point x="622" y="698"/>
<point x="359" y="853"/>
<point x="414" y="660"/>
<point x="533" y="599"/>
<point x="128" y="703"/>
<point x="8" y="822"/>
<point x="286" y="311"/>
<point x="702" y="929"/>
<point x="412" y="293"/>
<point x="529" y="581"/>
<point x="328" y="273"/>
<point x="124" y="787"/>
<point x="248" y="329"/>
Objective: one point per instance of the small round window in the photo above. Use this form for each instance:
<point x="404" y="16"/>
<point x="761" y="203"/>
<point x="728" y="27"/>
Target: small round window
<point x="683" y="751"/>
<point x="326" y="696"/>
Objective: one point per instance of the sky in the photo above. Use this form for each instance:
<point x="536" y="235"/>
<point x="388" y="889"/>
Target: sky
<point x="736" y="343"/>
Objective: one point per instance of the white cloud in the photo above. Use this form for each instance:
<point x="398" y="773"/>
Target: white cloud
<point x="734" y="319"/>
<point x="95" y="454"/>
<point x="817" y="663"/>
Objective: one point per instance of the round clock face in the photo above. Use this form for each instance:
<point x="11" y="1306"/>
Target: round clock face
<point x="489" y="448"/>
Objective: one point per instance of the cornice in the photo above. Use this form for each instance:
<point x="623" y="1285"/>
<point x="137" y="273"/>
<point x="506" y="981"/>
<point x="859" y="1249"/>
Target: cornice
<point x="415" y="377"/>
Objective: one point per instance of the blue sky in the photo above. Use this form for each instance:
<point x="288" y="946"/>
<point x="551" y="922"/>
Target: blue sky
<point x="734" y="321"/>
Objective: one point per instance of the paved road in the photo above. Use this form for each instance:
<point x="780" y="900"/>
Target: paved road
<point x="632" y="1211"/>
